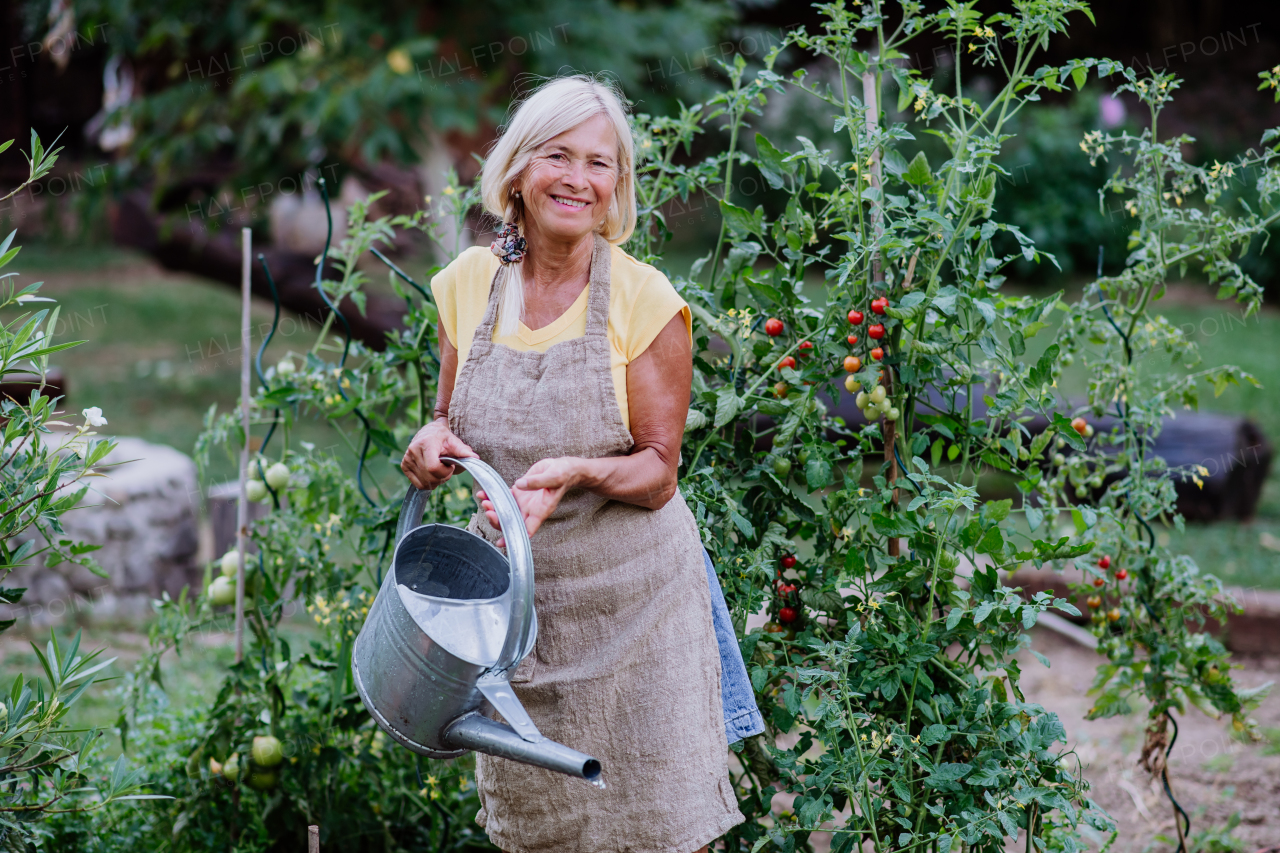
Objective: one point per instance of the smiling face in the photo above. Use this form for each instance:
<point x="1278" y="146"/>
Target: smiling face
<point x="569" y="184"/>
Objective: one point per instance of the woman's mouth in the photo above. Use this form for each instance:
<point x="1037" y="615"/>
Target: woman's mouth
<point x="570" y="203"/>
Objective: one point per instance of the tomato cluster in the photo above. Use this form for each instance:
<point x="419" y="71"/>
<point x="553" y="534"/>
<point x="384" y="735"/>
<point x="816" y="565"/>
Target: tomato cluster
<point x="876" y="331"/>
<point x="788" y="610"/>
<point x="1095" y="601"/>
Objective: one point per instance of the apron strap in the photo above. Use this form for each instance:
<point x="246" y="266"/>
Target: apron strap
<point x="598" y="283"/>
<point x="484" y="332"/>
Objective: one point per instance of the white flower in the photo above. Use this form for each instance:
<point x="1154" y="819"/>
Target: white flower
<point x="93" y="417"/>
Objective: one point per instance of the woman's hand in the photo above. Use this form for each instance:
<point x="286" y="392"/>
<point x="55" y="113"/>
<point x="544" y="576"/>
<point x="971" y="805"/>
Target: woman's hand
<point x="538" y="492"/>
<point x="421" y="463"/>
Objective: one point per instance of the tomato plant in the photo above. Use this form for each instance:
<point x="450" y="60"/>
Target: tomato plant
<point x="903" y="736"/>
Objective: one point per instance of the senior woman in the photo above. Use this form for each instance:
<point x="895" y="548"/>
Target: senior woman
<point x="566" y="364"/>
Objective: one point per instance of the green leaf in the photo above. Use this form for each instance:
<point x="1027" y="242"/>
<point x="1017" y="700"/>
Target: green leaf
<point x="1080" y="76"/>
<point x="817" y="472"/>
<point x="935" y="734"/>
<point x="1035" y="518"/>
<point x="728" y="405"/>
<point x="1043" y="370"/>
<point x="771" y="162"/>
<point x="918" y="173"/>
<point x="997" y="511"/>
<point x="740" y="221"/>
<point x="948" y="772"/>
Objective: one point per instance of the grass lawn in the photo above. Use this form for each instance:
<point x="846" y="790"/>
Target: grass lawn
<point x="159" y="348"/>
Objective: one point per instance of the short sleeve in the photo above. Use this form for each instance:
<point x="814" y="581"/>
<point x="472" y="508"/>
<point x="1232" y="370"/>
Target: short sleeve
<point x="655" y="304"/>
<point x="444" y="290"/>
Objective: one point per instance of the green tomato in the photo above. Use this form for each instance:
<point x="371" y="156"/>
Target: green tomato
<point x="781" y="467"/>
<point x="803" y="456"/>
<point x="878" y="395"/>
<point x="861" y="399"/>
<point x="231" y="770"/>
<point x="884" y="406"/>
<point x="255" y="490"/>
<point x="892" y="414"/>
<point x="262" y="780"/>
<point x="278" y="476"/>
<point x="871" y="413"/>
<point x="222" y="591"/>
<point x="1059" y="459"/>
<point x="229" y="563"/>
<point x="267" y="751"/>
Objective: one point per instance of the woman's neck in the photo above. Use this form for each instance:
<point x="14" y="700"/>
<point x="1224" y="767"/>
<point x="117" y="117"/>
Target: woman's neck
<point x="552" y="263"/>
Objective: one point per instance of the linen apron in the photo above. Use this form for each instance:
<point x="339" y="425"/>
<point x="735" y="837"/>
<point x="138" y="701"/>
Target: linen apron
<point x="626" y="667"/>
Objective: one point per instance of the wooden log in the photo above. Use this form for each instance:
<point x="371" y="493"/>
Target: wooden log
<point x="189" y="247"/>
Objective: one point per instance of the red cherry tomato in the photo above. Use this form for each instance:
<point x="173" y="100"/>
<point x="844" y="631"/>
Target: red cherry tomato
<point x="876" y="332"/>
<point x="1104" y="562"/>
<point x="787" y="362"/>
<point x="1121" y="574"/>
<point x="780" y="389"/>
<point x="788" y="561"/>
<point x="805" y="348"/>
<point x="877" y="354"/>
<point x="852" y="364"/>
<point x="1094" y="601"/>
<point x="878" y="305"/>
<point x="773" y="327"/>
<point x="1099" y="581"/>
<point x="787" y="615"/>
<point x="855" y="317"/>
<point x="787" y="588"/>
<point x="1079" y="425"/>
<point x="853" y="340"/>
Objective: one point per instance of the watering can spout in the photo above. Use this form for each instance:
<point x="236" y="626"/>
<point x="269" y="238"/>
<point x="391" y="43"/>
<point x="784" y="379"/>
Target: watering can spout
<point x="474" y="731"/>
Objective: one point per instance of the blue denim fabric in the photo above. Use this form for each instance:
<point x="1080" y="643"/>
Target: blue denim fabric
<point x="741" y="716"/>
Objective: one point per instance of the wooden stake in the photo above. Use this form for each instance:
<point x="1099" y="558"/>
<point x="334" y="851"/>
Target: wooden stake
<point x="313" y="839"/>
<point x="242" y="504"/>
<point x="871" y="102"/>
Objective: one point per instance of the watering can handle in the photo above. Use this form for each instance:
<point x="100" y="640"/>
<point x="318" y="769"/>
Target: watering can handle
<point x="519" y="552"/>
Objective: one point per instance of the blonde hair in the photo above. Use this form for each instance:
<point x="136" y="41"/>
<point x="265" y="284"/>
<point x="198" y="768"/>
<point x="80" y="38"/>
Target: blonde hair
<point x="558" y="105"/>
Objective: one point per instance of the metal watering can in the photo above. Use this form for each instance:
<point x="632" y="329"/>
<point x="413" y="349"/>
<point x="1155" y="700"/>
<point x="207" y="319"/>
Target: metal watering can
<point x="451" y="622"/>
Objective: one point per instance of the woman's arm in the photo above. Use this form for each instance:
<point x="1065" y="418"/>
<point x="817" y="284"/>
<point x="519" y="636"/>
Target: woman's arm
<point x="658" y="384"/>
<point x="421" y="463"/>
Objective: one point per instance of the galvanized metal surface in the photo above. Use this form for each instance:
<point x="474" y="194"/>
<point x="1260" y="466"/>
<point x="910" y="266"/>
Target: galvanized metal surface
<point x="451" y="622"/>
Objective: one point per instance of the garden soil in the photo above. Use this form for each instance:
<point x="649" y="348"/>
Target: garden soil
<point x="1213" y="775"/>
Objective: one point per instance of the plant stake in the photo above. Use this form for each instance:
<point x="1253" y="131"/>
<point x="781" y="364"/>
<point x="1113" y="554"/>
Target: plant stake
<point x="242" y="505"/>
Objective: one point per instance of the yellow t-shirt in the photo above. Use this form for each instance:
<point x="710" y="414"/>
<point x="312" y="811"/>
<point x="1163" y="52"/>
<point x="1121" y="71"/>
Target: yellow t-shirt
<point x="641" y="303"/>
